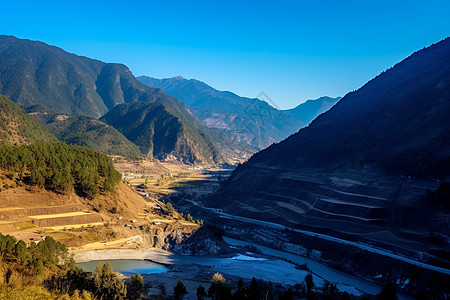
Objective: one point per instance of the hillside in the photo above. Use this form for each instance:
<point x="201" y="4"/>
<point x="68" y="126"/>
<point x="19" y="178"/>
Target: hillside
<point x="33" y="73"/>
<point x="250" y="124"/>
<point x="366" y="169"/>
<point x="310" y="109"/>
<point x="48" y="217"/>
<point x="66" y="190"/>
<point x="17" y="127"/>
<point x="88" y="132"/>
<point x="398" y="121"/>
<point x="160" y="134"/>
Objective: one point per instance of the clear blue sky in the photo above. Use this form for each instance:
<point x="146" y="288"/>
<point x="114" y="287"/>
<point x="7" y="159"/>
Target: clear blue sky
<point x="291" y="50"/>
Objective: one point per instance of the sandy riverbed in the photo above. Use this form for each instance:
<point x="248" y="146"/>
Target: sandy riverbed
<point x="108" y="254"/>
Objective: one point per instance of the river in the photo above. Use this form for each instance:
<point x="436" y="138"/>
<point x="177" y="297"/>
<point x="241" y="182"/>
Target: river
<point x="247" y="266"/>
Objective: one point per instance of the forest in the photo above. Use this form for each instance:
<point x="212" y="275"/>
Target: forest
<point x="60" y="167"/>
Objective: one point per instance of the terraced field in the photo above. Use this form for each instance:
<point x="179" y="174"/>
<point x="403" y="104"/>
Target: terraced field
<point x="369" y="207"/>
<point x="55" y="217"/>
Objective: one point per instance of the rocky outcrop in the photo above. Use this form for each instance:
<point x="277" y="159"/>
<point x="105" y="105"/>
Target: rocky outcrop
<point x="186" y="239"/>
<point x="205" y="241"/>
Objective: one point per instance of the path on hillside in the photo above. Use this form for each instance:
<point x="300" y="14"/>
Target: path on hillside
<point x="334" y="239"/>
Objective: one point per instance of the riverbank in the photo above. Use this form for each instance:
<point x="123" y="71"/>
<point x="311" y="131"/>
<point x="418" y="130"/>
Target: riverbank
<point x="156" y="255"/>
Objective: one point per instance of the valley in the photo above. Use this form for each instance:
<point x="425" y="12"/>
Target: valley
<point x="104" y="175"/>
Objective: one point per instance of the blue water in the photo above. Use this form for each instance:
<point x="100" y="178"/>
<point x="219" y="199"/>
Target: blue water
<point x="126" y="266"/>
<point x="246" y="269"/>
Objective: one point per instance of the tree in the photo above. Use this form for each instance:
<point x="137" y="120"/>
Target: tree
<point x="108" y="284"/>
<point x="189" y="218"/>
<point x="287" y="295"/>
<point x="136" y="287"/>
<point x="253" y="291"/>
<point x="21" y="252"/>
<point x="219" y="288"/>
<point x="388" y="292"/>
<point x="162" y="289"/>
<point x="201" y="292"/>
<point x="309" y="284"/>
<point x="241" y="291"/>
<point x="169" y="207"/>
<point x="38" y="267"/>
<point x="179" y="290"/>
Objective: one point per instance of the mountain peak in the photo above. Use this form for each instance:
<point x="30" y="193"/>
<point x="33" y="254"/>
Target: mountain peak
<point x="178" y="77"/>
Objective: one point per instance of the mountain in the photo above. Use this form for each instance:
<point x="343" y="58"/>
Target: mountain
<point x="34" y="73"/>
<point x="18" y="128"/>
<point x="398" y="122"/>
<point x="250" y="123"/>
<point x="158" y="133"/>
<point x="88" y="132"/>
<point x="368" y="169"/>
<point x="306" y="112"/>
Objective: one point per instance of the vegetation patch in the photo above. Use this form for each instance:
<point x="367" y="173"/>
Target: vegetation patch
<point x="61" y="167"/>
<point x="26" y="225"/>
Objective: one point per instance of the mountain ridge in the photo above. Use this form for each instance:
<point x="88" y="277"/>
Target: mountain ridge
<point x="372" y="164"/>
<point x="157" y="133"/>
<point x="88" y="132"/>
<point x="34" y="73"/>
<point x="431" y="61"/>
<point x="252" y="124"/>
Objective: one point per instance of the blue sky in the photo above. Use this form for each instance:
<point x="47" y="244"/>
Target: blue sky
<point x="291" y="50"/>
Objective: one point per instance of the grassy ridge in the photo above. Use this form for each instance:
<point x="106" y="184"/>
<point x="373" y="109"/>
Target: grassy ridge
<point x="89" y="132"/>
<point x="17" y="127"/>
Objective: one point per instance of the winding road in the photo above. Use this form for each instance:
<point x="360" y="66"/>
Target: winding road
<point x="332" y="239"/>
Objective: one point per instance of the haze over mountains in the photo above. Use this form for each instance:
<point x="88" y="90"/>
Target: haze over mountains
<point x="252" y="124"/>
<point x="33" y="73"/>
<point x="355" y="170"/>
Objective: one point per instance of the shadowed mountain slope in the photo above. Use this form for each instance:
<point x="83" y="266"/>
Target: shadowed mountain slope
<point x="398" y="121"/>
<point x="367" y="168"/>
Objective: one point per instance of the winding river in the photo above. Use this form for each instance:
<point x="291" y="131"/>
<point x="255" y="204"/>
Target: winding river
<point x="248" y="267"/>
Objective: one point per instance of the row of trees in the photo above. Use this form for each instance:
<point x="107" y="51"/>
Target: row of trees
<point x="187" y="217"/>
<point x="102" y="284"/>
<point x="220" y="289"/>
<point x="50" y="257"/>
<point x="27" y="269"/>
<point x="45" y="253"/>
<point x="61" y="167"/>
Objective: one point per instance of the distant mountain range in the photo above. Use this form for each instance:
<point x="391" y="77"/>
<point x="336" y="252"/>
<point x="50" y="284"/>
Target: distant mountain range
<point x="36" y="75"/>
<point x="33" y="73"/>
<point x="250" y="123"/>
<point x="371" y="164"/>
<point x="18" y="128"/>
